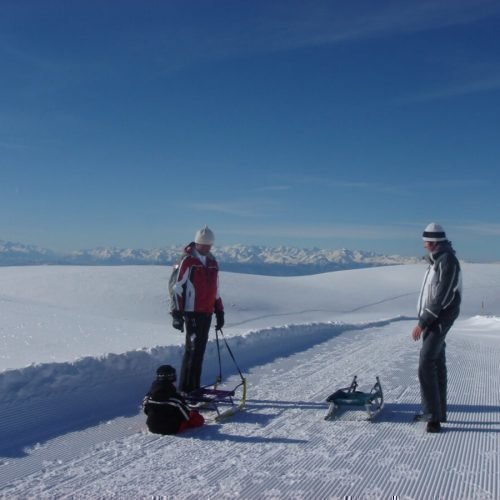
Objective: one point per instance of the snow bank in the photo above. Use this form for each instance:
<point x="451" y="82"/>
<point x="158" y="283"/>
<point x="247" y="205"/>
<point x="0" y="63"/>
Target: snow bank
<point x="50" y="380"/>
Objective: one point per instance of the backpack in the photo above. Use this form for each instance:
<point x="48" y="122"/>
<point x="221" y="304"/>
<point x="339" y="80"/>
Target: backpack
<point x="171" y="284"/>
<point x="173" y="278"/>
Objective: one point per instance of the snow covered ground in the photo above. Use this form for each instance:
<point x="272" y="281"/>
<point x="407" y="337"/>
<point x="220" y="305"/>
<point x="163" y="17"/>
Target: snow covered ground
<point x="79" y="346"/>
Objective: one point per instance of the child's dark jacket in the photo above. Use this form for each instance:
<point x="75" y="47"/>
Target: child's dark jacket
<point x="166" y="408"/>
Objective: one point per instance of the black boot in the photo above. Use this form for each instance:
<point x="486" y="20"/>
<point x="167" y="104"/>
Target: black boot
<point x="424" y="417"/>
<point x="433" y="426"/>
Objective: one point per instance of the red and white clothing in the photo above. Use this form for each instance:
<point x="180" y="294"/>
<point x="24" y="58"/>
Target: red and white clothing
<point x="197" y="286"/>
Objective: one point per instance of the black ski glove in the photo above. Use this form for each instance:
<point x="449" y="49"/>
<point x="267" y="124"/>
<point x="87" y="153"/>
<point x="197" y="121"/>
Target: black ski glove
<point x="145" y="402"/>
<point x="220" y="320"/>
<point x="177" y="320"/>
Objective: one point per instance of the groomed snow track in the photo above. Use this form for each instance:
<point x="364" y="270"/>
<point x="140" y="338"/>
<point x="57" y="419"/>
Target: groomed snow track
<point x="95" y="444"/>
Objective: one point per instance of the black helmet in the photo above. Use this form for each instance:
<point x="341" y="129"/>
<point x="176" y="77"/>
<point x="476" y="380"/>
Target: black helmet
<point x="166" y="372"/>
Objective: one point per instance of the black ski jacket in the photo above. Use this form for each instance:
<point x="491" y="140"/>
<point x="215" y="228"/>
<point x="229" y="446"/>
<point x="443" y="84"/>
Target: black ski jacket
<point x="165" y="407"/>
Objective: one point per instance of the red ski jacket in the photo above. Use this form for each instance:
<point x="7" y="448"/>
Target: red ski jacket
<point x="197" y="286"/>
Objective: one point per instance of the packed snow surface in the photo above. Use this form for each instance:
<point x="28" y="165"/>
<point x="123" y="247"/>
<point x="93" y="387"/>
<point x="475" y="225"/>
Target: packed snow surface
<point x="79" y="347"/>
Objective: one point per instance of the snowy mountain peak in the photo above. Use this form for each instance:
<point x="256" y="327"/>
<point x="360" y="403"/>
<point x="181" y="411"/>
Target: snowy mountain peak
<point x="12" y="254"/>
<point x="254" y="259"/>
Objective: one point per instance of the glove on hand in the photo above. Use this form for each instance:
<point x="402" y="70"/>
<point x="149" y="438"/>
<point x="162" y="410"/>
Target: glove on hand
<point x="145" y="401"/>
<point x="177" y="320"/>
<point x="191" y="323"/>
<point x="220" y="320"/>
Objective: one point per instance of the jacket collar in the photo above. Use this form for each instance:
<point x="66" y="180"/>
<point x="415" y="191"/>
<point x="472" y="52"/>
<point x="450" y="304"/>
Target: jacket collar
<point x="441" y="248"/>
<point x="191" y="250"/>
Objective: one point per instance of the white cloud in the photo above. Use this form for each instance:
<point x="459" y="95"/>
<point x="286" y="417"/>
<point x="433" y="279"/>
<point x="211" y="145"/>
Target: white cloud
<point x="328" y="231"/>
<point x="328" y="182"/>
<point x="486" y="84"/>
<point x="274" y="188"/>
<point x="480" y="229"/>
<point x="229" y="208"/>
<point x="278" y="26"/>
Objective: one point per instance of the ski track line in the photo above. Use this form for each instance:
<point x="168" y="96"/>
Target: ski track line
<point x="282" y="315"/>
<point x="271" y="429"/>
<point x="116" y="471"/>
<point x="465" y="355"/>
<point x="332" y="454"/>
<point x="484" y="386"/>
<point x="332" y="311"/>
<point x="368" y="431"/>
<point x="414" y="475"/>
<point x="110" y="462"/>
<point x="382" y="301"/>
<point x="353" y="354"/>
<point x="284" y="424"/>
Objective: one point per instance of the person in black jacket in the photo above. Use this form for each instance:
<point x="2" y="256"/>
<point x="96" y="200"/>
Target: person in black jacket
<point x="438" y="308"/>
<point x="166" y="409"/>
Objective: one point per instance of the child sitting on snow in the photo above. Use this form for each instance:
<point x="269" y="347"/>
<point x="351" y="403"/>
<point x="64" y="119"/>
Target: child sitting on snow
<point x="166" y="409"/>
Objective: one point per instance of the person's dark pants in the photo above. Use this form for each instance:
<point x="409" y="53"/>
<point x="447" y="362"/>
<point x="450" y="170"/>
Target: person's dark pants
<point x="197" y="329"/>
<point x="432" y="372"/>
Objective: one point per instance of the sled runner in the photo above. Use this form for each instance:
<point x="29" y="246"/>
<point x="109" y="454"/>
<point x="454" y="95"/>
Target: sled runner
<point x="349" y="398"/>
<point x="223" y="401"/>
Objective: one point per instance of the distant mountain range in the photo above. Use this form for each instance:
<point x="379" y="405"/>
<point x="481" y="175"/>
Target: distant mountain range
<point x="18" y="254"/>
<point x="274" y="261"/>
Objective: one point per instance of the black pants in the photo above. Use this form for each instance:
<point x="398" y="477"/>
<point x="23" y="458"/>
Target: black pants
<point x="432" y="371"/>
<point x="197" y="329"/>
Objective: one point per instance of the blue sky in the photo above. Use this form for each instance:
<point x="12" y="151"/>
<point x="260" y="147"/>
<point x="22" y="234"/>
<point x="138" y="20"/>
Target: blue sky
<point x="304" y="123"/>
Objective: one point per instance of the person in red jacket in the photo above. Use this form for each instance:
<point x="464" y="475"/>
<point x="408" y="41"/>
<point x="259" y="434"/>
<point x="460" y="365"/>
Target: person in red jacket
<point x="195" y="298"/>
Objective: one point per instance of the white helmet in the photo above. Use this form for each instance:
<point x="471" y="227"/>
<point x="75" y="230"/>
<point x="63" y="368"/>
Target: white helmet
<point x="434" y="232"/>
<point x="204" y="236"/>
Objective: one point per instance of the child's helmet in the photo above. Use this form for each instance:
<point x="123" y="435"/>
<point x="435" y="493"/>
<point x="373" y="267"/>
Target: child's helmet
<point x="166" y="372"/>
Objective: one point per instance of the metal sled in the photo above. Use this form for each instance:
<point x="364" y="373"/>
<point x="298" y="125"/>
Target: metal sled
<point x="211" y="397"/>
<point x="350" y="399"/>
